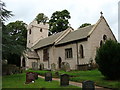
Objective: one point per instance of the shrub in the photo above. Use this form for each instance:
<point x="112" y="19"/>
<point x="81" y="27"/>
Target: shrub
<point x="108" y="59"/>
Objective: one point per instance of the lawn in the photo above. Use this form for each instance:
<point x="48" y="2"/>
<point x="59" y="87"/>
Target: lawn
<point x="80" y="76"/>
<point x="18" y="81"/>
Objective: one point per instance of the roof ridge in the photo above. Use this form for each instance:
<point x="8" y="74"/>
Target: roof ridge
<point x="85" y="27"/>
<point x="67" y="31"/>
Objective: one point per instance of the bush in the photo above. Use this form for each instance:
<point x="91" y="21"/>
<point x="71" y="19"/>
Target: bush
<point x="108" y="59"/>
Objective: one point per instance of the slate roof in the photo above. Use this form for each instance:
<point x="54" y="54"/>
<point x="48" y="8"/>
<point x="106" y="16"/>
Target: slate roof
<point x="46" y="41"/>
<point x="32" y="54"/>
<point x="72" y="36"/>
<point x="78" y="34"/>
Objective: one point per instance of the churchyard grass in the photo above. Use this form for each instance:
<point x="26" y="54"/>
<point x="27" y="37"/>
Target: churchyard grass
<point x="18" y="81"/>
<point x="80" y="76"/>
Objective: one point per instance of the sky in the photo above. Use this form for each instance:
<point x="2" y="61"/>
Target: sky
<point x="81" y="11"/>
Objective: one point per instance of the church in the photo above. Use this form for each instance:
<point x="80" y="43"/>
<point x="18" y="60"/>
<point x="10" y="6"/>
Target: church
<point x="71" y="49"/>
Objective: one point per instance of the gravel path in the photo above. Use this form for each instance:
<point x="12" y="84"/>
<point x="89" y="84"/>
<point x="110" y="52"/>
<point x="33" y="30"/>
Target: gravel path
<point x="77" y="83"/>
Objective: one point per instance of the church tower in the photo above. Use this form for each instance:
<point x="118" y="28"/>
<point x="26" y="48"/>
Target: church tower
<point x="36" y="32"/>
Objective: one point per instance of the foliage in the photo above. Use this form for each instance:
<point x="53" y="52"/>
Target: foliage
<point x="59" y="21"/>
<point x="5" y="14"/>
<point x="41" y="18"/>
<point x="84" y="25"/>
<point x="108" y="59"/>
<point x="14" y="41"/>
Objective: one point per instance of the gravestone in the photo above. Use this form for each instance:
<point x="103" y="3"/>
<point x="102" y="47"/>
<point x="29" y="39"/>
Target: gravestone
<point x="48" y="76"/>
<point x="34" y="65"/>
<point x="88" y="85"/>
<point x="30" y="77"/>
<point x="41" y="66"/>
<point x="64" y="80"/>
<point x="63" y="66"/>
<point x="53" y="67"/>
<point x="57" y="73"/>
<point x="67" y="67"/>
<point x="36" y="75"/>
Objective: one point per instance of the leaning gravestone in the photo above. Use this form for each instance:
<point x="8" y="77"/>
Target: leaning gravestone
<point x="48" y="76"/>
<point x="35" y="66"/>
<point x="53" y="67"/>
<point x="64" y="80"/>
<point x="41" y="66"/>
<point x="88" y="85"/>
<point x="30" y="77"/>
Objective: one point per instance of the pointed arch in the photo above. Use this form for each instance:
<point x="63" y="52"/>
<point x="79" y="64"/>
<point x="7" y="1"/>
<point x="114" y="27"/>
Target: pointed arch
<point x="104" y="37"/>
<point x="81" y="51"/>
<point x="101" y="43"/>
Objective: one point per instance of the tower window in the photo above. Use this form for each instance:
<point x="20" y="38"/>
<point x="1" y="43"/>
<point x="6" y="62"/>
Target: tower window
<point x="41" y="30"/>
<point x="29" y="41"/>
<point x="30" y="31"/>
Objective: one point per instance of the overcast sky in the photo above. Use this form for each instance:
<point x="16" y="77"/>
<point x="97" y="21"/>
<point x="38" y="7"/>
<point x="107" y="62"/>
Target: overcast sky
<point x="81" y="11"/>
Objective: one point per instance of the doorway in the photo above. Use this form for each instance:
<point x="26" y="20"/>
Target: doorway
<point x="59" y="62"/>
<point x="23" y="62"/>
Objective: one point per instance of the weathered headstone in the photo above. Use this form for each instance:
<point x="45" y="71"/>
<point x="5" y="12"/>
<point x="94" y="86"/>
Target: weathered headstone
<point x="48" y="76"/>
<point x="34" y="65"/>
<point x="64" y="80"/>
<point x="63" y="66"/>
<point x="67" y="67"/>
<point x="41" y="66"/>
<point x="30" y="77"/>
<point x="88" y="85"/>
<point x="53" y="67"/>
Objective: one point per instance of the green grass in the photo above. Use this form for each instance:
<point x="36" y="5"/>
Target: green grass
<point x="94" y="75"/>
<point x="18" y="81"/>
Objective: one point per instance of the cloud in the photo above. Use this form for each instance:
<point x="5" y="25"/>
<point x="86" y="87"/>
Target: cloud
<point x="81" y="11"/>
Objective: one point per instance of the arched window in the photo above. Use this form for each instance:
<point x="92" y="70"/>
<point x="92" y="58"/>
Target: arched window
<point x="101" y="43"/>
<point x="104" y="37"/>
<point x="81" y="51"/>
<point x="30" y="31"/>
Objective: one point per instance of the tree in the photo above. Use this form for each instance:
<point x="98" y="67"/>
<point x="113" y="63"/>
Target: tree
<point x="84" y="25"/>
<point x="41" y="18"/>
<point x="108" y="59"/>
<point x="5" y="14"/>
<point x="59" y="21"/>
<point x="14" y="41"/>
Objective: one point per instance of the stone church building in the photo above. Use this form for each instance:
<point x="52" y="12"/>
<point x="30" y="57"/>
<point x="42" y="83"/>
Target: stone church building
<point x="71" y="48"/>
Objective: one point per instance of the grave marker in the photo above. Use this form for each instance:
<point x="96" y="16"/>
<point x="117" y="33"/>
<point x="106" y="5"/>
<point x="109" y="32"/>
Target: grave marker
<point x="30" y="77"/>
<point x="64" y="80"/>
<point x="88" y="85"/>
<point x="48" y="76"/>
<point x="34" y="65"/>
